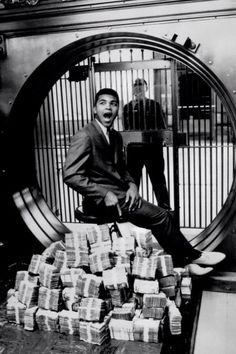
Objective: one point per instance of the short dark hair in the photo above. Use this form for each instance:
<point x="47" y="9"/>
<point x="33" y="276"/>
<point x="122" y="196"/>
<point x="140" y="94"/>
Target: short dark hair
<point x="106" y="91"/>
<point x="140" y="82"/>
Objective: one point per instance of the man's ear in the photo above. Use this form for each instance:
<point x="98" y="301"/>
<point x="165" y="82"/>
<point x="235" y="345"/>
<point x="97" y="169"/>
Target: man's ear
<point x="94" y="110"/>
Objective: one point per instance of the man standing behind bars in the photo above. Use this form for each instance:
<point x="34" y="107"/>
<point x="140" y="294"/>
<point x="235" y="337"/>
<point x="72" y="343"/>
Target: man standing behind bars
<point x="146" y="114"/>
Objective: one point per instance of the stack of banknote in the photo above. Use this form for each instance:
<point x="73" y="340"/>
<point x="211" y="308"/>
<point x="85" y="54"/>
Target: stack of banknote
<point x="69" y="322"/>
<point x="30" y="318"/>
<point x="47" y="320"/>
<point x="94" y="332"/>
<point x="28" y="293"/>
<point x="49" y="276"/>
<point x="89" y="286"/>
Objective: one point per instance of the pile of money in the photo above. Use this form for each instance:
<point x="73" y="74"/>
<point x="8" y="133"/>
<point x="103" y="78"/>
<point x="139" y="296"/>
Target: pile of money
<point x="169" y="280"/>
<point x="34" y="265"/>
<point x="115" y="278"/>
<point x="98" y="234"/>
<point x="49" y="253"/>
<point x="121" y="329"/>
<point x="28" y="293"/>
<point x="60" y="260"/>
<point x="155" y="300"/>
<point x="92" y="309"/>
<point x="20" y="275"/>
<point x="99" y="261"/>
<point x="146" y="330"/>
<point x="186" y="287"/>
<point x="94" y="332"/>
<point x="30" y="318"/>
<point x="175" y="319"/>
<point x="49" y="276"/>
<point x="50" y="299"/>
<point x="145" y="267"/>
<point x="143" y="237"/>
<point x="122" y="245"/>
<point x="69" y="276"/>
<point x="164" y="265"/>
<point x="70" y="299"/>
<point x="89" y="286"/>
<point x="69" y="322"/>
<point x="104" y="246"/>
<point x="126" y="312"/>
<point x="153" y="312"/>
<point x="123" y="261"/>
<point x="119" y="296"/>
<point x="170" y="291"/>
<point x="47" y="320"/>
<point x="144" y="286"/>
<point x="15" y="310"/>
<point x="76" y="249"/>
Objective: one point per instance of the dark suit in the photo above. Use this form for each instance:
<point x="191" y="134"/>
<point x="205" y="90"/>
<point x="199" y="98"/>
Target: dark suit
<point x="93" y="167"/>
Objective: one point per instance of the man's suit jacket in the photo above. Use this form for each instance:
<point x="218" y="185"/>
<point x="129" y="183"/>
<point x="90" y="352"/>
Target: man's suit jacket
<point x="93" y="166"/>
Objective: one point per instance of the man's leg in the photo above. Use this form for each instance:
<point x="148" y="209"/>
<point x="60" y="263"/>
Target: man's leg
<point x="160" y="222"/>
<point x="155" y="166"/>
<point x="135" y="162"/>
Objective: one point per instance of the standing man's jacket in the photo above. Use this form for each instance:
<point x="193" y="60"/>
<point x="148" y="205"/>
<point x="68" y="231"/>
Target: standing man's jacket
<point x="93" y="166"/>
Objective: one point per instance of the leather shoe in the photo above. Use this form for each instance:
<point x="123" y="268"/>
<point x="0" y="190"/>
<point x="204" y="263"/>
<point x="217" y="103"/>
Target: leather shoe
<point x="209" y="258"/>
<point x="195" y="269"/>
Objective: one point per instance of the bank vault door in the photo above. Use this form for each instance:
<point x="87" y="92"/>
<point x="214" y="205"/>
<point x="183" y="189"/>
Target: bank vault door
<point x="198" y="142"/>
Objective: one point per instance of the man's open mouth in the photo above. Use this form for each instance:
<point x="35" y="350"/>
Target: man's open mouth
<point x="107" y="115"/>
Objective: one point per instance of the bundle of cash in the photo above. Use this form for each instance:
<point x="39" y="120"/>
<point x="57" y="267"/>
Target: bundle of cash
<point x="122" y="245"/>
<point x="186" y="287"/>
<point x="99" y="261"/>
<point x="30" y="318"/>
<point x="70" y="299"/>
<point x="169" y="291"/>
<point x="77" y="257"/>
<point x="49" y="276"/>
<point x="20" y="275"/>
<point x="126" y="312"/>
<point x="89" y="286"/>
<point x="143" y="237"/>
<point x="104" y="246"/>
<point x="123" y="261"/>
<point x="119" y="296"/>
<point x="175" y="318"/>
<point x="115" y="278"/>
<point x="153" y="312"/>
<point x="97" y="234"/>
<point x="94" y="332"/>
<point x="146" y="286"/>
<point x="164" y="266"/>
<point x="35" y="262"/>
<point x="146" y="330"/>
<point x="47" y="320"/>
<point x="69" y="276"/>
<point x="92" y="309"/>
<point x="144" y="267"/>
<point x="121" y="329"/>
<point x="60" y="260"/>
<point x="50" y="299"/>
<point x="76" y="239"/>
<point x="143" y="252"/>
<point x="155" y="300"/>
<point x="28" y="293"/>
<point x="69" y="322"/>
<point x="49" y="253"/>
<point x="15" y="310"/>
<point x="169" y="280"/>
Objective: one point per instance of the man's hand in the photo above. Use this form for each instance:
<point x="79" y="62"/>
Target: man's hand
<point x="112" y="200"/>
<point x="133" y="197"/>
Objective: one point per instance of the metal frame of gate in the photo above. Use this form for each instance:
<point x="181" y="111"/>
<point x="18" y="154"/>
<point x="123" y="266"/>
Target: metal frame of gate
<point x="209" y="149"/>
